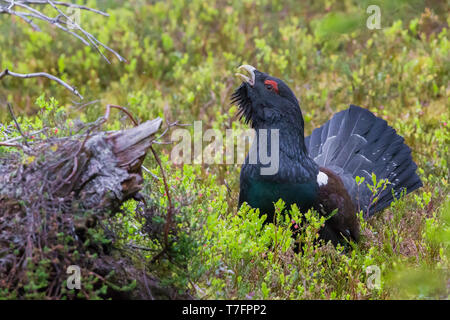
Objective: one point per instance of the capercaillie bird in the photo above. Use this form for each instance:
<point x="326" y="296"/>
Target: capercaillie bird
<point x="319" y="171"/>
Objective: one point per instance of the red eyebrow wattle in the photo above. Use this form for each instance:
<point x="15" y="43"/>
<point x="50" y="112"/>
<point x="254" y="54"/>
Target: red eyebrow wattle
<point x="274" y="84"/>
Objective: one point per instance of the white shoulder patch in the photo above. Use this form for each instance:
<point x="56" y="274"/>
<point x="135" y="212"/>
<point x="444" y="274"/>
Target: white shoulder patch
<point x="322" y="179"/>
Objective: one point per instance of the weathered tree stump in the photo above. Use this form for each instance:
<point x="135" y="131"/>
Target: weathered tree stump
<point x="59" y="188"/>
<point x="101" y="171"/>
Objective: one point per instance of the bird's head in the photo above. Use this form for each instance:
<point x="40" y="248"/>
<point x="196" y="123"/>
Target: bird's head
<point x="266" y="102"/>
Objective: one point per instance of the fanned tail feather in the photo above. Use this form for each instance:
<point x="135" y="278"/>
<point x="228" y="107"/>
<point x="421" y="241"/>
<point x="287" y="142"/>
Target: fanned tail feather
<point x="357" y="143"/>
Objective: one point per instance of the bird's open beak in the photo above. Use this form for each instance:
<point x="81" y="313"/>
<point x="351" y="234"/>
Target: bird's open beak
<point x="251" y="71"/>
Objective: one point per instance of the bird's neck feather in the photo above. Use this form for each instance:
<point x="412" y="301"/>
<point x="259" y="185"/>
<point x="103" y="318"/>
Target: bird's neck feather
<point x="294" y="163"/>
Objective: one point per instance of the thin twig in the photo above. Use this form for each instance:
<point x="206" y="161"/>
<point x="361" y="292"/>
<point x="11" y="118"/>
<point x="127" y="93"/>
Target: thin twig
<point x="151" y="173"/>
<point x="135" y="246"/>
<point x="30" y="13"/>
<point x="23" y="16"/>
<point x="169" y="198"/>
<point x="6" y="72"/>
<point x="80" y="106"/>
<point x="75" y="25"/>
<point x="125" y="110"/>
<point x="17" y="125"/>
<point x="144" y="276"/>
<point x="13" y="145"/>
<point x="65" y="4"/>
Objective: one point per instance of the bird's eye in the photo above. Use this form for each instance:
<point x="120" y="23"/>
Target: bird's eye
<point x="271" y="85"/>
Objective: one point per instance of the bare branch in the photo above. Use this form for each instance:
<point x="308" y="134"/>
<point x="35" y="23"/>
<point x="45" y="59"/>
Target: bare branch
<point x="6" y="72"/>
<point x="90" y="38"/>
<point x="65" y="4"/>
<point x="61" y="19"/>
<point x="21" y="15"/>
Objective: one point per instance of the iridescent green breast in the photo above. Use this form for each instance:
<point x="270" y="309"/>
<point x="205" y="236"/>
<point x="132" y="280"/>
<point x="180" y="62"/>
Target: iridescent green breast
<point x="263" y="194"/>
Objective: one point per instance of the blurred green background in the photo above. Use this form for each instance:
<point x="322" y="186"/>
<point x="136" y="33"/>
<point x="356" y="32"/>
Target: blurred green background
<point x="181" y="59"/>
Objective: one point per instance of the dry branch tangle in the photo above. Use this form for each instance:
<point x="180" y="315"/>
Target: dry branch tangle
<point x="75" y="185"/>
<point x="104" y="171"/>
<point x="28" y="13"/>
<point x="61" y="21"/>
